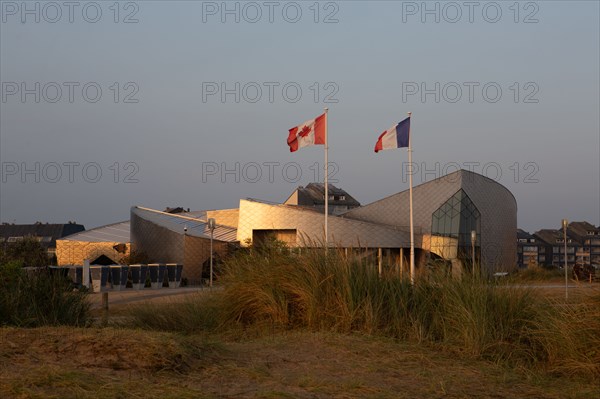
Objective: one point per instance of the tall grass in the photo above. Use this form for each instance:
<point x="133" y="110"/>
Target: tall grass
<point x="40" y="298"/>
<point x="496" y="321"/>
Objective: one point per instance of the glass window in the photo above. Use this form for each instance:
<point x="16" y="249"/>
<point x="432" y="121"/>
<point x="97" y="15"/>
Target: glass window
<point x="456" y="218"/>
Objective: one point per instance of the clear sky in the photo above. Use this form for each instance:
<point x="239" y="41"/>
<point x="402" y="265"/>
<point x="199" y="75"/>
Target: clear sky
<point x="188" y="93"/>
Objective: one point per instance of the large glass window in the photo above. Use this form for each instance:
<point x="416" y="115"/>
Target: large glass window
<point x="456" y="218"/>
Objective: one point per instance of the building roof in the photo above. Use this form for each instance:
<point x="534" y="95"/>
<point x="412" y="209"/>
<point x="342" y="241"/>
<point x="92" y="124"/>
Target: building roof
<point x="550" y="236"/>
<point x="195" y="222"/>
<point x="582" y="229"/>
<point x="314" y="194"/>
<point x="115" y="232"/>
<point x="54" y="231"/>
<point x="522" y="234"/>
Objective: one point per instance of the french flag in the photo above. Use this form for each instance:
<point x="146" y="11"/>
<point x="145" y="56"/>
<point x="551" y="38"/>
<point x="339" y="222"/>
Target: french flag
<point x="395" y="137"/>
<point x="311" y="132"/>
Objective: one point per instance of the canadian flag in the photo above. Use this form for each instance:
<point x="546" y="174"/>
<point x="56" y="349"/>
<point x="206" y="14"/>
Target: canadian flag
<point x="311" y="132"/>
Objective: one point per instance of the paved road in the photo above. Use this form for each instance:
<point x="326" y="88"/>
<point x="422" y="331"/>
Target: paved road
<point x="146" y="295"/>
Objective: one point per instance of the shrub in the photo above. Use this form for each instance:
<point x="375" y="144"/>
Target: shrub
<point x="37" y="298"/>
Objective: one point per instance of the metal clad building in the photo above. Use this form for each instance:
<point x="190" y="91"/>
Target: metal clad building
<point x="178" y="238"/>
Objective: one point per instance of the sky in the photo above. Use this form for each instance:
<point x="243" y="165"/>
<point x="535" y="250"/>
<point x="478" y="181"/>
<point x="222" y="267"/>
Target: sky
<point x="106" y="105"/>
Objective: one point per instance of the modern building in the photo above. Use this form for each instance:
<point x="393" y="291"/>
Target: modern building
<point x="104" y="245"/>
<point x="47" y="234"/>
<point x="183" y="238"/>
<point x="446" y="211"/>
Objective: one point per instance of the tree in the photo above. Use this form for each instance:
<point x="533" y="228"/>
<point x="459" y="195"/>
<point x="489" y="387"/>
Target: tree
<point x="28" y="251"/>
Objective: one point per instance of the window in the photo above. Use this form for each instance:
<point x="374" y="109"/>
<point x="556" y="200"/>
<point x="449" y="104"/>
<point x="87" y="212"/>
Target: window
<point x="288" y="236"/>
<point x="331" y="198"/>
<point x="560" y="240"/>
<point x="342" y="198"/>
<point x="14" y="239"/>
<point x="591" y="233"/>
<point x="456" y="218"/>
<point x="523" y="240"/>
<point x="532" y="240"/>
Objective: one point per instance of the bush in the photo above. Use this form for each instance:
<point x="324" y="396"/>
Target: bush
<point x="39" y="298"/>
<point x="28" y="251"/>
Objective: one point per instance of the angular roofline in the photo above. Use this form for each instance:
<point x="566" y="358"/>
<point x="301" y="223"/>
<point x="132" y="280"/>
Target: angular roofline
<point x="70" y="237"/>
<point x="228" y="229"/>
<point x="312" y="210"/>
<point x="461" y="171"/>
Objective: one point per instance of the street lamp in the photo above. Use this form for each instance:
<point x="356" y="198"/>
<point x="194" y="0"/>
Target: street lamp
<point x="564" y="225"/>
<point x="211" y="227"/>
<point x="473" y="240"/>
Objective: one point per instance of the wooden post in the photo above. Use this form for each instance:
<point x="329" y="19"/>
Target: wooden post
<point x="379" y="261"/>
<point x="401" y="262"/>
<point x="105" y="300"/>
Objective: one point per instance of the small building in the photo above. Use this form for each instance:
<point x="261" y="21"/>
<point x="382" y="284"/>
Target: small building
<point x="102" y="245"/>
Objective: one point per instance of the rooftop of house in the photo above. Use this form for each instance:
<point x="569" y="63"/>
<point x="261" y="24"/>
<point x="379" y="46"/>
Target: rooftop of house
<point x="314" y="194"/>
<point x="554" y="237"/>
<point x="582" y="229"/>
<point x="46" y="231"/>
<point x="522" y="234"/>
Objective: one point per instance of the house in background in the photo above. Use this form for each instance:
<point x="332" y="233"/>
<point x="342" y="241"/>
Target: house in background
<point x="313" y="196"/>
<point x="554" y="243"/>
<point x="45" y="233"/>
<point x="588" y="237"/>
<point x="530" y="251"/>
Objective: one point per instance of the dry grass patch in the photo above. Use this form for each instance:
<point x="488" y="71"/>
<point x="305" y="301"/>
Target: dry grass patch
<point x="109" y="363"/>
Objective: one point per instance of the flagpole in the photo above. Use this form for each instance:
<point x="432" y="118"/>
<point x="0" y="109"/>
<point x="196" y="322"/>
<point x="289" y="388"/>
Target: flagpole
<point x="326" y="182"/>
<point x="410" y="194"/>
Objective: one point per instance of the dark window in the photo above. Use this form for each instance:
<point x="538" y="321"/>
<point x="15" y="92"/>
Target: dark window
<point x="456" y="218"/>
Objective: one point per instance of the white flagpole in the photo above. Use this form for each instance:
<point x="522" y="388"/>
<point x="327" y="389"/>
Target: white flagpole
<point x="326" y="182"/>
<point x="410" y="194"/>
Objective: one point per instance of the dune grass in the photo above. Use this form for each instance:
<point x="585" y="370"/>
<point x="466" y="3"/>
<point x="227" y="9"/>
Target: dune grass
<point x="276" y="289"/>
<point x="40" y="298"/>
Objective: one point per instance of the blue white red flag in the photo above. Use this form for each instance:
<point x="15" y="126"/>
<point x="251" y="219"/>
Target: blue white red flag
<point x="395" y="137"/>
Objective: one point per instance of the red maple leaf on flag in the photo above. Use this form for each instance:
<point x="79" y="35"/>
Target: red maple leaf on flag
<point x="305" y="131"/>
